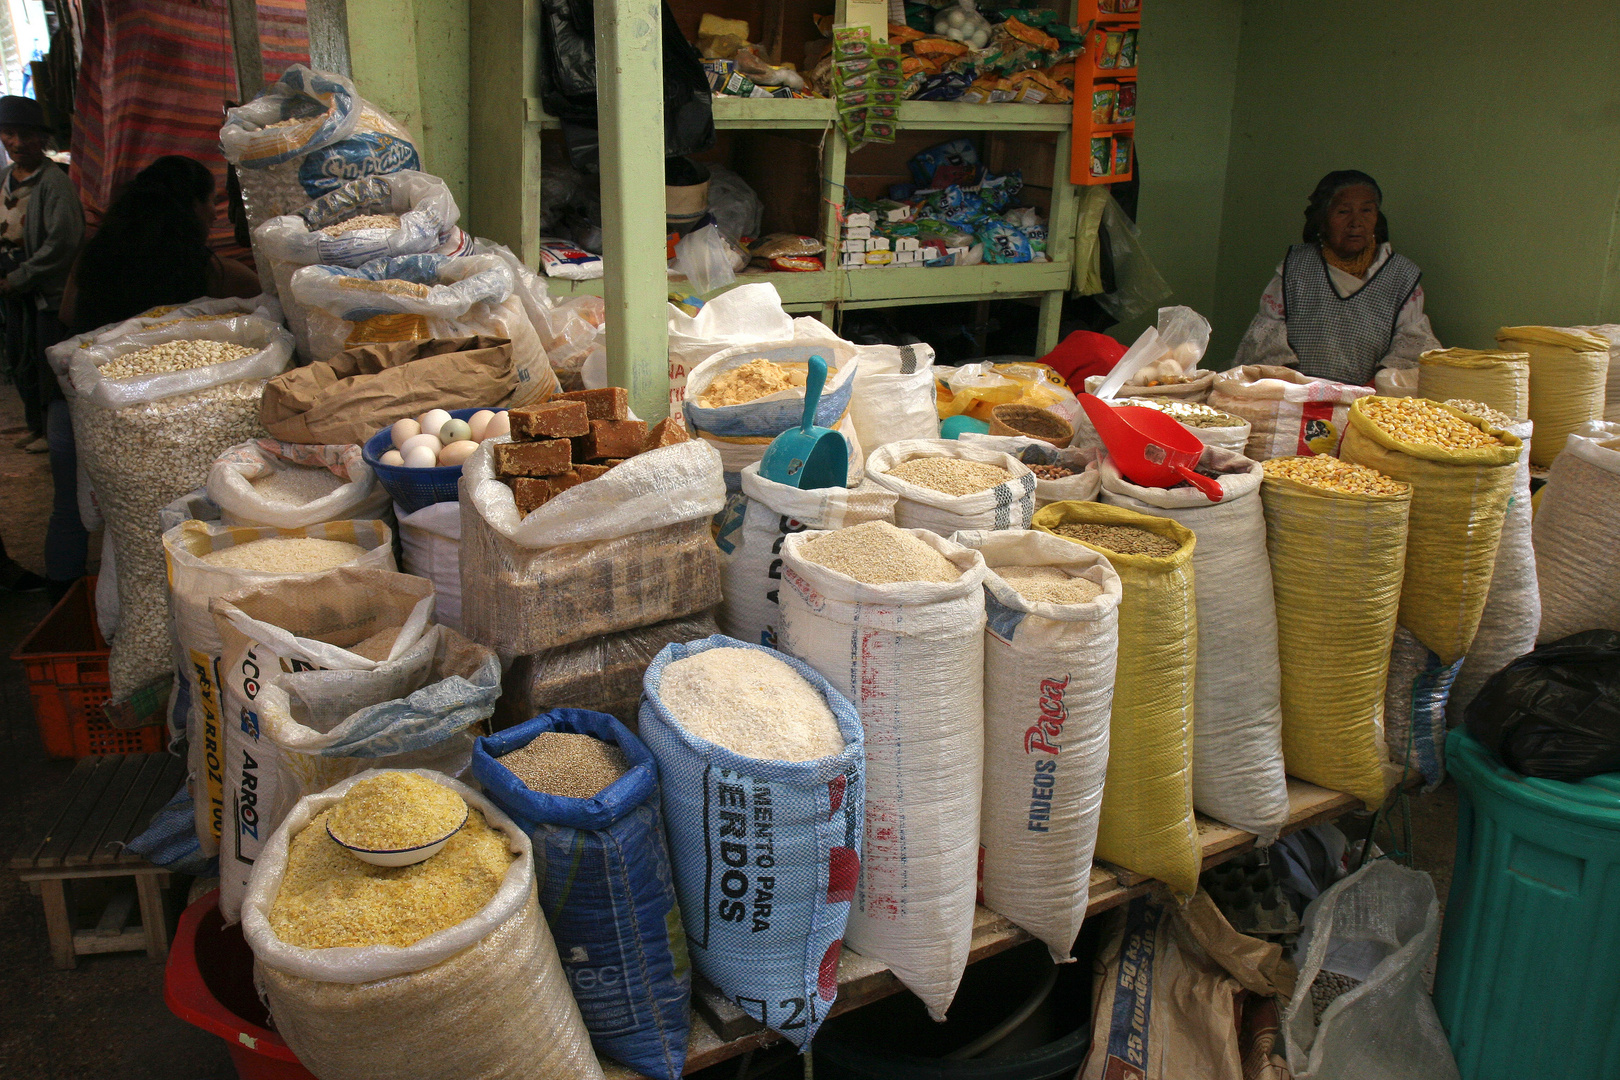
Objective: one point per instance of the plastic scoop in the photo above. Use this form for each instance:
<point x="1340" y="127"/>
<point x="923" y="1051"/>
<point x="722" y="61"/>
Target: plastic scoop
<point x="1150" y="447"/>
<point x="808" y="456"/>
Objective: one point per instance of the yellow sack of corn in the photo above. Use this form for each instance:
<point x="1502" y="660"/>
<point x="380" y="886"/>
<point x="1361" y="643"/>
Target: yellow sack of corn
<point x="1337" y="560"/>
<point x="1459" y="498"/>
<point x="1568" y="372"/>
<point x="1147" y="812"/>
<point x="1498" y="379"/>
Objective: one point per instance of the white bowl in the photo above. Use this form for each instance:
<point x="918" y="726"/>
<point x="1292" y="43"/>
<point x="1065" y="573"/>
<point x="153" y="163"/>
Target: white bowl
<point x="398" y="856"/>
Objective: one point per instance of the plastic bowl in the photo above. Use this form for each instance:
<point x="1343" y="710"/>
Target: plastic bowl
<point x="399" y="856"/>
<point x="415" y="488"/>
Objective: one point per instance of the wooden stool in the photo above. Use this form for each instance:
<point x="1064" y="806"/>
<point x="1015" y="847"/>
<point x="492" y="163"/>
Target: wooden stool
<point x="106" y="802"/>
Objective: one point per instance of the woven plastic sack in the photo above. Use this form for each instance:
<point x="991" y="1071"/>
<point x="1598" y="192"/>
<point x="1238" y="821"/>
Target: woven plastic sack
<point x="608" y="893"/>
<point x="1008" y="505"/>
<point x="1337" y="561"/>
<point x="231" y="487"/>
<point x="1048" y="690"/>
<point x="1569" y="370"/>
<point x="1237" y="752"/>
<point x="1577" y="535"/>
<point x="1415" y="699"/>
<point x="1081" y="485"/>
<point x="1147" y="812"/>
<point x="1498" y="379"/>
<point x="430" y="547"/>
<point x="910" y="658"/>
<point x="410" y="297"/>
<point x="894" y="395"/>
<point x="193" y="584"/>
<point x="1377" y="928"/>
<point x="305" y="135"/>
<point x="766" y="855"/>
<point x="147" y="440"/>
<point x="749" y="533"/>
<point x="1610" y="332"/>
<point x="1289" y="414"/>
<point x="1459" y="498"/>
<point x="486" y="998"/>
<point x="627" y="549"/>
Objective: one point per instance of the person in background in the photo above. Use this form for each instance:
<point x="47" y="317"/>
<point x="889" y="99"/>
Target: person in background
<point x="1342" y="304"/>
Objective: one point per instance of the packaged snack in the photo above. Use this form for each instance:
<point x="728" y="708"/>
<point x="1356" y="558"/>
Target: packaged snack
<point x="1127" y="50"/>
<point x="1004" y="243"/>
<point x="782" y="245"/>
<point x="850" y="42"/>
<point x="1129" y="6"/>
<point x="796" y="263"/>
<point x="1030" y="35"/>
<point x="560" y="259"/>
<point x="1110" y="42"/>
<point x="1125" y="103"/>
<point x="1103" y="104"/>
<point x="1122" y="155"/>
<point x="1100" y="150"/>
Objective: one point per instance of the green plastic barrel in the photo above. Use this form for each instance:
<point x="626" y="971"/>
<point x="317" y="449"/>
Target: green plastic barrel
<point x="1529" y="976"/>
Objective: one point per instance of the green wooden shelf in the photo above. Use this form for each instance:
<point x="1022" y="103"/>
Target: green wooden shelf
<point x="778" y="114"/>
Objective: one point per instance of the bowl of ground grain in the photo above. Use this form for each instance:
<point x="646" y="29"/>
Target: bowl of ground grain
<point x="1032" y="422"/>
<point x="396" y="819"/>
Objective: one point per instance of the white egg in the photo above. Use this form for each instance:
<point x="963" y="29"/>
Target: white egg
<point x="430" y="441"/>
<point x="478" y="421"/>
<point x="421" y="457"/>
<point x="457" y="452"/>
<point x="979" y="39"/>
<point x="392" y="457"/>
<point x="499" y="424"/>
<point x="455" y="431"/>
<point x="956" y="18"/>
<point x="404" y="429"/>
<point x="432" y="421"/>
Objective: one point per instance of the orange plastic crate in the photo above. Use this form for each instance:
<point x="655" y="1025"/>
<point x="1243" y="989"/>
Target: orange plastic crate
<point x="65" y="659"/>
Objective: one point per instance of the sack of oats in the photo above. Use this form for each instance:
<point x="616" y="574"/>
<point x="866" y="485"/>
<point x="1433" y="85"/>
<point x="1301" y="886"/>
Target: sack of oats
<point x="945" y="485"/>
<point x="1289" y="414"/>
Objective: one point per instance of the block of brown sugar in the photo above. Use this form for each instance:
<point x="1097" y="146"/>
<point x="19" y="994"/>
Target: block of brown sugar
<point x="552" y="420"/>
<point x="608" y="403"/>
<point x="563" y="481"/>
<point x="612" y="461"/>
<point x="590" y="472"/>
<point x="531" y="493"/>
<point x="612" y="439"/>
<point x="548" y="457"/>
<point x="667" y="432"/>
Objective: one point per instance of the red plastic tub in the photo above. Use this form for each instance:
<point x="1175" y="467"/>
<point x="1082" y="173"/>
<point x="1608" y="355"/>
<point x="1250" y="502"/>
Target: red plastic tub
<point x="209" y="983"/>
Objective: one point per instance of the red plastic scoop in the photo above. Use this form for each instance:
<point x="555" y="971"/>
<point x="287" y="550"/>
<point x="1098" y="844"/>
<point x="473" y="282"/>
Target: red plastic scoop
<point x="1150" y="448"/>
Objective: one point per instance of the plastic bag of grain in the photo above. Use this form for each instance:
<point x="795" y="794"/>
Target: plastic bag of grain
<point x="289" y="485"/>
<point x="1289" y="414"/>
<point x="1237" y="754"/>
<point x="1147" y="811"/>
<point x="1082" y="483"/>
<point x="604" y="877"/>
<point x="749" y="533"/>
<point x="1577" y="535"/>
<point x="485" y="998"/>
<point x="972" y="468"/>
<point x="894" y="396"/>
<point x="207" y="560"/>
<point x="305" y="135"/>
<point x="147" y="439"/>
<point x="410" y="297"/>
<point x="627" y="549"/>
<point x="1609" y="332"/>
<point x="1569" y="370"/>
<point x="430" y="547"/>
<point x="1459" y="496"/>
<point x="1500" y="380"/>
<point x="1338" y="553"/>
<point x="910" y="658"/>
<point x="1049" y="651"/>
<point x="760" y="766"/>
<point x="1415" y="699"/>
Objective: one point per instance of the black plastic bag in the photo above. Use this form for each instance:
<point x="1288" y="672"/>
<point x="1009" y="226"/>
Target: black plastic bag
<point x="1555" y="713"/>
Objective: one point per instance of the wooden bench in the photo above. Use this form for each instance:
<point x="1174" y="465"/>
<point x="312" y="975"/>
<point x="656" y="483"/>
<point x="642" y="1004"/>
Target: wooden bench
<point x="105" y="802"/>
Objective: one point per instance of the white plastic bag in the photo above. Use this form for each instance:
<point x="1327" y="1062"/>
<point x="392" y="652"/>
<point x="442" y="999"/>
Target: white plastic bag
<point x="705" y="259"/>
<point x="746" y="315"/>
<point x="1396" y="382"/>
<point x="894" y="397"/>
<point x="1006" y="506"/>
<point x="1577" y="535"/>
<point x="430" y="547"/>
<point x="230" y="484"/>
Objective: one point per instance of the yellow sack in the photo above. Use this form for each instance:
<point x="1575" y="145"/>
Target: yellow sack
<point x="1336" y="567"/>
<point x="1459" y="498"/>
<point x="1498" y="379"/>
<point x="1147" y="813"/>
<point x="1568" y="370"/>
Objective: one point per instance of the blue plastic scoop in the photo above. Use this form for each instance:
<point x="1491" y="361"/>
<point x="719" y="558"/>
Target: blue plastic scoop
<point x="808" y="456"/>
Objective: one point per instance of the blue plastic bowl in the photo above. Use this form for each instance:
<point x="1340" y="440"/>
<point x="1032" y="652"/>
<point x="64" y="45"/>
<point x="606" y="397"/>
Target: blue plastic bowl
<point x="413" y="489"/>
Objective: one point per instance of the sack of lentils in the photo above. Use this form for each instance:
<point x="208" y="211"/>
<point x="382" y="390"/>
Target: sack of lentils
<point x="151" y="413"/>
<point x="444" y="970"/>
<point x="760" y="766"/>
<point x="944" y="485"/>
<point x="586" y="792"/>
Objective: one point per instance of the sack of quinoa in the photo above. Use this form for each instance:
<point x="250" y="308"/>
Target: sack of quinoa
<point x="1289" y="414"/>
<point x="945" y="485"/>
<point x="1577" y="535"/>
<point x="289" y="485"/>
<point x="760" y="768"/>
<point x="440" y="971"/>
<point x="586" y="791"/>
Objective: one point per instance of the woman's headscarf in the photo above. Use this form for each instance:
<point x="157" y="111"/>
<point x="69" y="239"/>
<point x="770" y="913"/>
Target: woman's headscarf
<point x="1316" y="210"/>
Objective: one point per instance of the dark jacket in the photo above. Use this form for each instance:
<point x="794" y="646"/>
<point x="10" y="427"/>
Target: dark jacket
<point x="51" y="235"/>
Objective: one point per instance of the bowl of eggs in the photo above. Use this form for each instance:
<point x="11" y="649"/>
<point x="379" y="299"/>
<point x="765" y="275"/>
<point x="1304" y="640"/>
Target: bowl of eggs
<point x="418" y="461"/>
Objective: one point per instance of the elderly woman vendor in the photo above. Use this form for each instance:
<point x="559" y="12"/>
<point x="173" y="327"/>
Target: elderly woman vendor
<point x="1342" y="304"/>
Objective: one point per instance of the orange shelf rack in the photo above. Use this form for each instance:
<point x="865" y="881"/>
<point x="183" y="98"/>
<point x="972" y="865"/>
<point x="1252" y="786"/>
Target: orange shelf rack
<point x="1103" y="149"/>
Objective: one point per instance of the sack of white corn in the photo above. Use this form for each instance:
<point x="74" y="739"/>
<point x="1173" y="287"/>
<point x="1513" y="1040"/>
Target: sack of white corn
<point x="1289" y="414"/>
<point x="1609" y="332"/>
<point x="151" y="413"/>
<point x="1068" y="475"/>
<point x="1237" y="752"/>
<point x="894" y="396"/>
<point x="1569" y="370"/>
<point x="410" y="297"/>
<point x="1461" y="470"/>
<point x="760" y="768"/>
<point x="945" y="485"/>
<point x="1336" y="535"/>
<point x="1500" y="380"/>
<point x="486" y="997"/>
<point x="1416" y="696"/>
<point x="207" y="560"/>
<point x="290" y="485"/>
<point x="909" y="655"/>
<point x="430" y="547"/>
<point x="1147" y="811"/>
<point x="1211" y="426"/>
<point x="749" y="533"/>
<point x="1577" y="535"/>
<point x="1050" y="643"/>
<point x="305" y="135"/>
<point x="627" y="549"/>
<point x="330" y="675"/>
